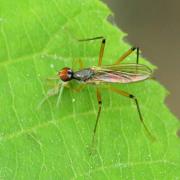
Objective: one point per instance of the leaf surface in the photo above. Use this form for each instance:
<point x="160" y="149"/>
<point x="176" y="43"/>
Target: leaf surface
<point x="37" y="39"/>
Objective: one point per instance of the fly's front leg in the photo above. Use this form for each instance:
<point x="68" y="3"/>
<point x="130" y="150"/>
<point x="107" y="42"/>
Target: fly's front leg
<point x="101" y="52"/>
<point x="127" y="54"/>
<point x="51" y="92"/>
<point x="52" y="78"/>
<point x="51" y="81"/>
<point x="123" y="93"/>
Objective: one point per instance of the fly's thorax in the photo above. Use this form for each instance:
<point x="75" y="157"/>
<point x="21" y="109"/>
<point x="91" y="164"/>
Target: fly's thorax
<point x="84" y="74"/>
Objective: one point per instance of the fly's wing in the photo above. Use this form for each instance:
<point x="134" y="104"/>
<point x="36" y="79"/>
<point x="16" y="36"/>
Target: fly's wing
<point x="124" y="73"/>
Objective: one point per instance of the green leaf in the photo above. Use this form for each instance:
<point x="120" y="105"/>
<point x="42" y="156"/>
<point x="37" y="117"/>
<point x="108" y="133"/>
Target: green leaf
<point x="37" y="38"/>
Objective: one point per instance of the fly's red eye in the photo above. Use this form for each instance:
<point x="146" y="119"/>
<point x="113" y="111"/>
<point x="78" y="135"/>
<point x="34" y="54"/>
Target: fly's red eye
<point x="65" y="74"/>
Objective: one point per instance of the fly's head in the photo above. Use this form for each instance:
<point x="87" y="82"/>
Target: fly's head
<point x="65" y="74"/>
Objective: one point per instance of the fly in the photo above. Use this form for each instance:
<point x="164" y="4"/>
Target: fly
<point x="115" y="73"/>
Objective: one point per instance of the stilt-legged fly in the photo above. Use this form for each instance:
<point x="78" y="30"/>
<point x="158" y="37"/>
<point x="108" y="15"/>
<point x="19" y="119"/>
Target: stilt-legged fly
<point x="115" y="73"/>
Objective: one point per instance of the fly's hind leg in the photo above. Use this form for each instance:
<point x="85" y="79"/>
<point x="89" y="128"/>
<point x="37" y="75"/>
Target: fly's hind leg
<point x="123" y="93"/>
<point x="127" y="54"/>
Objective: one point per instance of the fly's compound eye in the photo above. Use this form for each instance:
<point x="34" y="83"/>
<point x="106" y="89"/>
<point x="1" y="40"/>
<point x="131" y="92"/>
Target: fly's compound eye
<point x="66" y="74"/>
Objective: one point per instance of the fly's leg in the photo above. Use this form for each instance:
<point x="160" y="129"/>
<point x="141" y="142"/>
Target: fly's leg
<point x="51" y="81"/>
<point x="79" y="88"/>
<point x="127" y="54"/>
<point x="137" y="55"/>
<point x="79" y="61"/>
<point x="60" y="94"/>
<point x="51" y="92"/>
<point x="123" y="93"/>
<point x="98" y="94"/>
<point x="52" y="78"/>
<point x="101" y="52"/>
<point x="91" y="39"/>
<point x="76" y="89"/>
